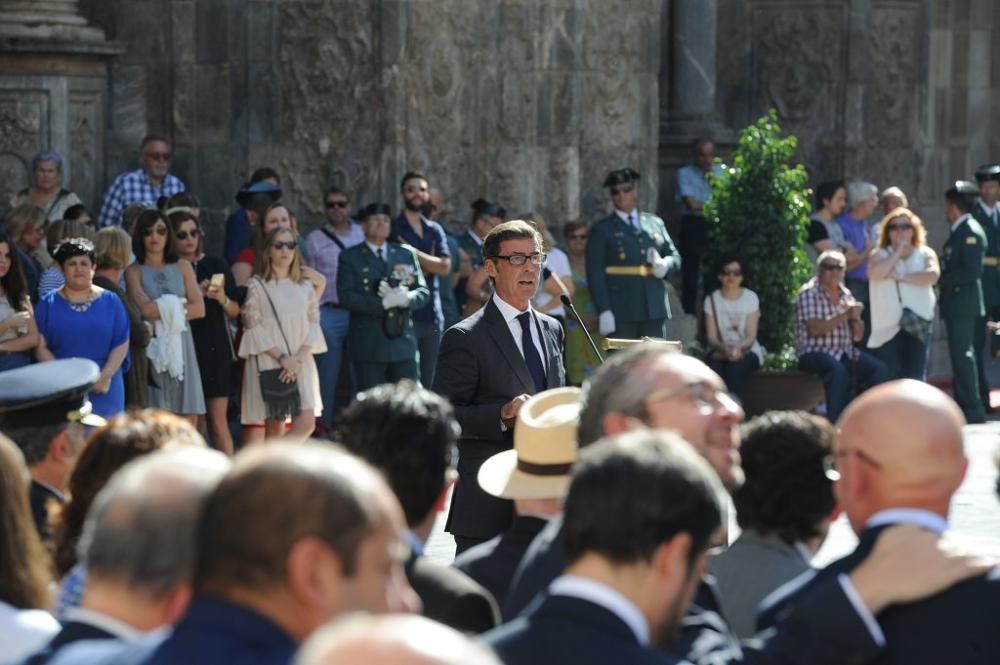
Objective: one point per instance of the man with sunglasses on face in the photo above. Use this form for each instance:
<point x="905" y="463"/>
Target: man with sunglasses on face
<point x="628" y="257"/>
<point x="490" y="363"/>
<point x="145" y="185"/>
<point x="827" y="323"/>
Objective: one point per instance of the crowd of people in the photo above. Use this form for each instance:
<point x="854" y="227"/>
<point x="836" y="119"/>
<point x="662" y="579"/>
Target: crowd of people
<point x="136" y="530"/>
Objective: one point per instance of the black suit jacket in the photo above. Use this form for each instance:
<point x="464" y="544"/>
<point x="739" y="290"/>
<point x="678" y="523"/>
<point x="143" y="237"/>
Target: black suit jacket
<point x="494" y="562"/>
<point x="451" y="597"/>
<point x="959" y="625"/>
<point x="480" y="369"/>
<point x="823" y="631"/>
<point x="73" y="631"/>
<point x="571" y="631"/>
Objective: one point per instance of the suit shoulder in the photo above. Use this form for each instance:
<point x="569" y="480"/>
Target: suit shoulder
<point x="353" y="252"/>
<point x="453" y="598"/>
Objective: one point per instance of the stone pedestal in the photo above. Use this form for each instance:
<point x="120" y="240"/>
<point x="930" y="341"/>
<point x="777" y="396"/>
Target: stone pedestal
<point x="53" y="95"/>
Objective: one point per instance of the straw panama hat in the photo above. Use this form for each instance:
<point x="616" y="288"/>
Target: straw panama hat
<point x="538" y="467"/>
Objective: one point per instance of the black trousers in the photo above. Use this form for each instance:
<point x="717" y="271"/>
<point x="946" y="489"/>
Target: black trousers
<point x="694" y="234"/>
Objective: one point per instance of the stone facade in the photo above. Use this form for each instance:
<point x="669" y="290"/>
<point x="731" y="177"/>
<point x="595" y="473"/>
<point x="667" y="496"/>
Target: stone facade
<point x="525" y="102"/>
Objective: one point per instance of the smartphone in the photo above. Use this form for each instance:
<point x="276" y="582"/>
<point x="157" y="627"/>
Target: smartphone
<point x="217" y="282"/>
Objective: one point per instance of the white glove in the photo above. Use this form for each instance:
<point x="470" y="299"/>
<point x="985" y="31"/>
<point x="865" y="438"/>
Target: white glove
<point x="383" y="288"/>
<point x="660" y="264"/>
<point x="606" y="323"/>
<point x="397" y="297"/>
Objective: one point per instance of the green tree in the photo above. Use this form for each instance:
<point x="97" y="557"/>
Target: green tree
<point x="759" y="208"/>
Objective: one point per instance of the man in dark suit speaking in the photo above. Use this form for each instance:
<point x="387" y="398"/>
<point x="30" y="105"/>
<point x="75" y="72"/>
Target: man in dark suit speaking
<point x="900" y="459"/>
<point x="489" y="364"/>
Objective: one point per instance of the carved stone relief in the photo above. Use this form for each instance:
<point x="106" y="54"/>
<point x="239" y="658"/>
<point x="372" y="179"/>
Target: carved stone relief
<point x="85" y="120"/>
<point x="798" y="64"/>
<point x="22" y="134"/>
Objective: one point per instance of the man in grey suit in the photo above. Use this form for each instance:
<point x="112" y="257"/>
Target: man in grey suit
<point x="489" y="364"/>
<point x="784" y="507"/>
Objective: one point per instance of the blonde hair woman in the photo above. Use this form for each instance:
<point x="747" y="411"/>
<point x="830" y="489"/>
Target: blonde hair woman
<point x="281" y="333"/>
<point x="902" y="272"/>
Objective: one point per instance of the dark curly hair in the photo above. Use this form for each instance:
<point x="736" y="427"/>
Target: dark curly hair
<point x="125" y="437"/>
<point x="15" y="286"/>
<point x="786" y="492"/>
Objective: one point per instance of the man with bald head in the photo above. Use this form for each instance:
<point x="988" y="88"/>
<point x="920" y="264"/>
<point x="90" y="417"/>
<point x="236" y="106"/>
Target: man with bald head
<point x="900" y="459"/>
<point x="399" y="639"/>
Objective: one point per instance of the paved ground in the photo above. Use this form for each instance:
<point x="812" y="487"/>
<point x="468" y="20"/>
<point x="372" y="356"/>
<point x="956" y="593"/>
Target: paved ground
<point x="975" y="511"/>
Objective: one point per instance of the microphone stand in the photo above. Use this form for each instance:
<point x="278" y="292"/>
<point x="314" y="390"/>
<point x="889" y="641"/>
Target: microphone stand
<point x="568" y="303"/>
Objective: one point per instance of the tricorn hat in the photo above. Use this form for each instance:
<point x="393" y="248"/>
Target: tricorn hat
<point x="48" y="393"/>
<point x="375" y="209"/>
<point x="545" y="448"/>
<point x="988" y="172"/>
<point x="621" y="177"/>
<point x="962" y="188"/>
<point x="263" y="187"/>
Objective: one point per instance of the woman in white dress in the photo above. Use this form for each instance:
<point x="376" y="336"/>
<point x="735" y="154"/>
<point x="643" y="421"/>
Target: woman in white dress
<point x="281" y="331"/>
<point x="732" y="314"/>
<point x="902" y="273"/>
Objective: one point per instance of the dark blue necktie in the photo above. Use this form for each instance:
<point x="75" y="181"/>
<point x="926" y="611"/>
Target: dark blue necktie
<point x="531" y="357"/>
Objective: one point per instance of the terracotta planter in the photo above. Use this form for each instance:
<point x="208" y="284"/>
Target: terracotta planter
<point x="768" y="390"/>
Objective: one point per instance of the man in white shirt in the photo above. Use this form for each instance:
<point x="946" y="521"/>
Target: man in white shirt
<point x="490" y="363"/>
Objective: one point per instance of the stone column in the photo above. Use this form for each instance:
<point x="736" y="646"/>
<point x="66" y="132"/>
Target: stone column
<point x="692" y="80"/>
<point x="53" y="91"/>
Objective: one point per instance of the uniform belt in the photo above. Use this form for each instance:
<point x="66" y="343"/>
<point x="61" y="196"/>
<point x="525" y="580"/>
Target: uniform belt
<point x="992" y="261"/>
<point x="641" y="271"/>
<point x="332" y="305"/>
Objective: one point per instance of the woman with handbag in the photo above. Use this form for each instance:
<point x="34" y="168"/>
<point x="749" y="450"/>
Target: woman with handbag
<point x="902" y="273"/>
<point x="280" y="335"/>
<point x="732" y="313"/>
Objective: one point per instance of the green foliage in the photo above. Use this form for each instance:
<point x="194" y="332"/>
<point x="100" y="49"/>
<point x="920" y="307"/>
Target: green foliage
<point x="759" y="208"/>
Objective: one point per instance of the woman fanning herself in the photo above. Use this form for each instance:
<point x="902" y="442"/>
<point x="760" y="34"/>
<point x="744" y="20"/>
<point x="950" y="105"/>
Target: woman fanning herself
<point x="82" y="320"/>
<point x="281" y="334"/>
<point x="212" y="342"/>
<point x="166" y="291"/>
<point x="18" y="332"/>
<point x="902" y="273"/>
<point x="732" y="313"/>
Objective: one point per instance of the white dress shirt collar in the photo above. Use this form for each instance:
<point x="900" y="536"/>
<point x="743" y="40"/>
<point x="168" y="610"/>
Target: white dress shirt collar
<point x="922" y="518"/>
<point x="479" y="241"/>
<point x="375" y="248"/>
<point x="628" y="217"/>
<point x="59" y="495"/>
<point x="590" y="590"/>
<point x="991" y="211"/>
<point x="508" y="311"/>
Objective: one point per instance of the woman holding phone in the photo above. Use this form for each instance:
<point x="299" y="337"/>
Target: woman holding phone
<point x="213" y="343"/>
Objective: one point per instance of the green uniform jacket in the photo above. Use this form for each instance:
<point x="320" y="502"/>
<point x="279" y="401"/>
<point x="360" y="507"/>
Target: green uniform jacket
<point x="961" y="270"/>
<point x="615" y="243"/>
<point x="475" y="252"/>
<point x="991" y="274"/>
<point x="358" y="275"/>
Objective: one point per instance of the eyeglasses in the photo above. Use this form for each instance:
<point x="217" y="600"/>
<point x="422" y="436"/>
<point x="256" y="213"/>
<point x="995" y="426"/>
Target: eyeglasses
<point x="900" y="227"/>
<point x="831" y="465"/>
<point x="183" y="235"/>
<point x="158" y="230"/>
<point x="284" y="245"/>
<point x="159" y="156"/>
<point x="705" y="396"/>
<point x="337" y="204"/>
<point x="832" y="266"/>
<point x="578" y="236"/>
<point x="624" y="189"/>
<point x="732" y="273"/>
<point x="519" y="259"/>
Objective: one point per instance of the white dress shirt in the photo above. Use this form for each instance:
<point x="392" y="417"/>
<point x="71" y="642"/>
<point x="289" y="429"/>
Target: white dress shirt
<point x="509" y="314"/>
<point x="630" y="218"/>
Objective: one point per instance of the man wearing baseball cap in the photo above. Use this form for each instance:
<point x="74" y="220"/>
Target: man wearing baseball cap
<point x="535" y="475"/>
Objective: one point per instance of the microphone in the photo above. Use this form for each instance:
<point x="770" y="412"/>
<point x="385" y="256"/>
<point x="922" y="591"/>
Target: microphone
<point x="569" y="305"/>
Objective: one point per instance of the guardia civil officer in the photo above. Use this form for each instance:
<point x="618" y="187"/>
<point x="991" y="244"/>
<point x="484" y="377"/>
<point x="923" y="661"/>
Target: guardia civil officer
<point x="629" y="255"/>
<point x="987" y="213"/>
<point x="962" y="295"/>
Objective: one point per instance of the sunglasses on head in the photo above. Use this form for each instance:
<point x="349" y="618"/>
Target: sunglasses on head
<point x="284" y="245"/>
<point x="183" y="235"/>
<point x="337" y="204"/>
<point x="623" y="189"/>
<point x="158" y="230"/>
